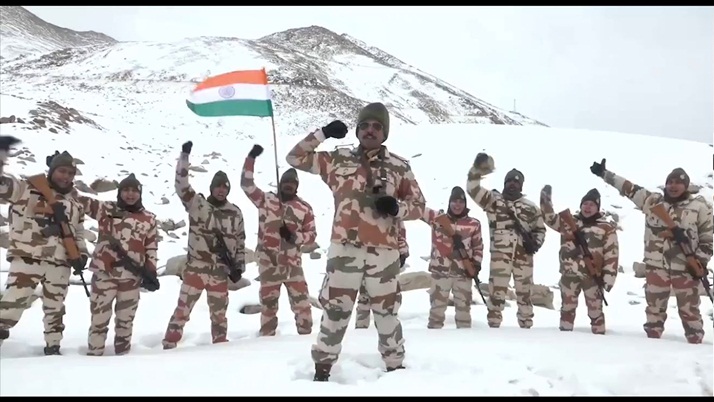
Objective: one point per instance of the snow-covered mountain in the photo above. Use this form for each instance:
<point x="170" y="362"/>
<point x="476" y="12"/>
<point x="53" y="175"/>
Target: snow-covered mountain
<point x="24" y="34"/>
<point x="316" y="75"/>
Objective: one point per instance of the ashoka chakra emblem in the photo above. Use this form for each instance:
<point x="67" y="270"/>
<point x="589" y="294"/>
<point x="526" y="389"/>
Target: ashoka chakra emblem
<point x="226" y="92"/>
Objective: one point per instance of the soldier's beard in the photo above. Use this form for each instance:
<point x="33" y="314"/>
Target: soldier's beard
<point x="284" y="196"/>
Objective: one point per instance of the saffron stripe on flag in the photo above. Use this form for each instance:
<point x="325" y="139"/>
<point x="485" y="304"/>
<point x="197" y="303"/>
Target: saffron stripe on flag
<point x="256" y="77"/>
<point x="234" y="107"/>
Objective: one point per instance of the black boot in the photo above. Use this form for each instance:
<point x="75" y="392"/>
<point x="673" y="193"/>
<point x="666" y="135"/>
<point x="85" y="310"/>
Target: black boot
<point x="52" y="350"/>
<point x="399" y="367"/>
<point x="322" y="372"/>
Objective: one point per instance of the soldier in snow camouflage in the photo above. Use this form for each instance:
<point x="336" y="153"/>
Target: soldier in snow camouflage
<point x="666" y="268"/>
<point x="364" y="306"/>
<point x="205" y="269"/>
<point x="128" y="223"/>
<point x="373" y="189"/>
<point x="509" y="256"/>
<point x="447" y="268"/>
<point x="285" y="223"/>
<point x="601" y="238"/>
<point x="36" y="258"/>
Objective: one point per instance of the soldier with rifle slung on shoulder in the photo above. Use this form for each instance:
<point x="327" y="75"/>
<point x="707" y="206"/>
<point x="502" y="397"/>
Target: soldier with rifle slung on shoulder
<point x="216" y="252"/>
<point x="123" y="261"/>
<point x="589" y="254"/>
<point x="678" y="247"/>
<point x="46" y="242"/>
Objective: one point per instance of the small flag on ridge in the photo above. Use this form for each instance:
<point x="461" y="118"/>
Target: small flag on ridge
<point x="238" y="93"/>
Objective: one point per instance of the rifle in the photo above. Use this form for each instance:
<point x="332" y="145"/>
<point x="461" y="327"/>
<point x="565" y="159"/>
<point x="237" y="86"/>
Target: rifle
<point x="593" y="265"/>
<point x="528" y="243"/>
<point x="694" y="266"/>
<point x="61" y="223"/>
<point x="147" y="280"/>
<point x="233" y="273"/>
<point x="445" y="223"/>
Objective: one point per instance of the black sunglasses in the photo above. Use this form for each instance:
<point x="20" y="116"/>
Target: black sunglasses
<point x="377" y="126"/>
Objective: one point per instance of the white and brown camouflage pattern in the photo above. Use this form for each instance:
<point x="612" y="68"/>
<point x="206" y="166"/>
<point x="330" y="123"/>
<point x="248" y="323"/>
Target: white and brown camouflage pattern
<point x="508" y="257"/>
<point x="602" y="240"/>
<point x="364" y="308"/>
<point x="114" y="287"/>
<point x="26" y="241"/>
<point x="356" y="221"/>
<point x="136" y="232"/>
<point x="279" y="261"/>
<point x="666" y="265"/>
<point x="204" y="269"/>
<point x="445" y="261"/>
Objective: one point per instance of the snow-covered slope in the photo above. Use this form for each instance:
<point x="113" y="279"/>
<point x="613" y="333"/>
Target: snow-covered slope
<point x="624" y="362"/>
<point x="316" y="74"/>
<point x="23" y="33"/>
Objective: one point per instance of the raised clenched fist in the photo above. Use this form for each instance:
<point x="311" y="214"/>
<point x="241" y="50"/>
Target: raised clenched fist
<point x="598" y="169"/>
<point x="186" y="147"/>
<point x="336" y="129"/>
<point x="255" y="151"/>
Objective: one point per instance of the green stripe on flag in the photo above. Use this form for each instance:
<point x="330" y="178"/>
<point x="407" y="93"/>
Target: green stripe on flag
<point x="259" y="108"/>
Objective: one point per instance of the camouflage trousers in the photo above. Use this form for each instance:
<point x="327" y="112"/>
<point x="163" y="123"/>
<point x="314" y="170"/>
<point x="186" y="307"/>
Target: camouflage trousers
<point x="364" y="307"/>
<point x="271" y="280"/>
<point x="502" y="267"/>
<point x="23" y="278"/>
<point x="347" y="267"/>
<point x="570" y="288"/>
<point x="659" y="284"/>
<point x="124" y="295"/>
<point x="198" y="277"/>
<point x="439" y="297"/>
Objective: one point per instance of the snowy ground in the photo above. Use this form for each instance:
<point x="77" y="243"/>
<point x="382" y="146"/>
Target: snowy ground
<point x="480" y="361"/>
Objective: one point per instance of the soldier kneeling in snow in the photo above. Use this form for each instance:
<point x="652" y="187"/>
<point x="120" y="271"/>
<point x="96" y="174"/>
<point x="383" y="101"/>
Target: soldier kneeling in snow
<point x="123" y="261"/>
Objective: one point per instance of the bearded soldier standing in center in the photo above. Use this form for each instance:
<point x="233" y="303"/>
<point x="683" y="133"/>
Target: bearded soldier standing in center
<point x="373" y="189"/>
<point x="601" y="240"/>
<point x="448" y="269"/>
<point x="210" y="221"/>
<point x="364" y="306"/>
<point x="285" y="223"/>
<point x="37" y="253"/>
<point x="124" y="225"/>
<point x="517" y="232"/>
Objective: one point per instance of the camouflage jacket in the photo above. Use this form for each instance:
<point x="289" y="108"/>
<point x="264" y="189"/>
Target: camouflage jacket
<point x="694" y="215"/>
<point x="136" y="233"/>
<point x="352" y="176"/>
<point x="444" y="259"/>
<point x="204" y="218"/>
<point x="272" y="250"/>
<point x="26" y="222"/>
<point x="502" y="229"/>
<point x="601" y="238"/>
<point x="402" y="240"/>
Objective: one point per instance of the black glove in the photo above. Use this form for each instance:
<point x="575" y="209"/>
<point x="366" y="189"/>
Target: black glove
<point x="255" y="151"/>
<point x="458" y="242"/>
<point x="48" y="159"/>
<point x="286" y="234"/>
<point x="680" y="236"/>
<point x="59" y="212"/>
<point x="150" y="281"/>
<point x="6" y="141"/>
<point x="481" y="158"/>
<point x="336" y="129"/>
<point x="598" y="169"/>
<point x="186" y="147"/>
<point x="477" y="265"/>
<point x="386" y="205"/>
<point x="402" y="260"/>
<point x="235" y="276"/>
<point x="79" y="264"/>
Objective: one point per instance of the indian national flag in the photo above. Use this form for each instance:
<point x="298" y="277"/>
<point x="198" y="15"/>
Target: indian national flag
<point x="238" y="93"/>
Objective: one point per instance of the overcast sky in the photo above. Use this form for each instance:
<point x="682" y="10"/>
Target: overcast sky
<point x="646" y="70"/>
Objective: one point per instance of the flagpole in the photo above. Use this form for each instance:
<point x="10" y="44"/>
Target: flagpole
<point x="275" y="155"/>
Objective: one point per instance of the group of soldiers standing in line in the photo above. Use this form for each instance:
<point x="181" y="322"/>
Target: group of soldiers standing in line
<point x="375" y="192"/>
